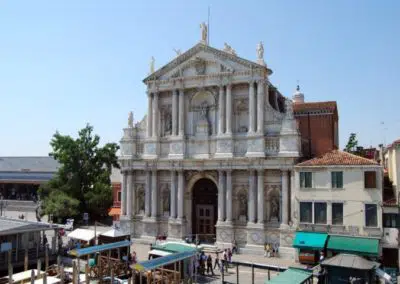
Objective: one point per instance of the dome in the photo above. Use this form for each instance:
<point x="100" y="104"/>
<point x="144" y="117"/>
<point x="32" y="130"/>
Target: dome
<point x="298" y="97"/>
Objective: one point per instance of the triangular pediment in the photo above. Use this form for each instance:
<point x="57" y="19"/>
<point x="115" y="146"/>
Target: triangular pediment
<point x="202" y="60"/>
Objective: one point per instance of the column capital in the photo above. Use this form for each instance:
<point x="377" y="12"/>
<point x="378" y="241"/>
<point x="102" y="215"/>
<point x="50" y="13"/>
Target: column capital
<point x="251" y="81"/>
<point x="229" y="86"/>
<point x="284" y="173"/>
<point x="261" y="171"/>
<point x="155" y="94"/>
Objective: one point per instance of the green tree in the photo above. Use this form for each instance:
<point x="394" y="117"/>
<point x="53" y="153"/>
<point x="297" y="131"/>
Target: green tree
<point x="82" y="182"/>
<point x="352" y="143"/>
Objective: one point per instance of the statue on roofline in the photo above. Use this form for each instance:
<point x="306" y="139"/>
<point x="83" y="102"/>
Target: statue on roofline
<point x="130" y="119"/>
<point x="152" y="65"/>
<point x="260" y="50"/>
<point x="204" y="32"/>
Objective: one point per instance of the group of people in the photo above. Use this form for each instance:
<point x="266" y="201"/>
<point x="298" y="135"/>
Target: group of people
<point x="271" y="250"/>
<point x="204" y="263"/>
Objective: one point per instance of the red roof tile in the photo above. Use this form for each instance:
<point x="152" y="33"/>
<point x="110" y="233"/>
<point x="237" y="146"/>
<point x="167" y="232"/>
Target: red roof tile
<point x="339" y="158"/>
<point x="315" y="106"/>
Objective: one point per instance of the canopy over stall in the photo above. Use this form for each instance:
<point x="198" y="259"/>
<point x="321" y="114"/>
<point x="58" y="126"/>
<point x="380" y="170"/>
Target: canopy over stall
<point x="114" y="233"/>
<point x="163" y="261"/>
<point x="356" y="245"/>
<point x="100" y="248"/>
<point x="82" y="234"/>
<point x="311" y="241"/>
<point x="292" y="275"/>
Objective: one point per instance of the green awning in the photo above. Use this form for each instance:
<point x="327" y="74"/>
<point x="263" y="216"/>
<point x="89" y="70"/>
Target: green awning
<point x="176" y="247"/>
<point x="291" y="275"/>
<point x="363" y="246"/>
<point x="308" y="240"/>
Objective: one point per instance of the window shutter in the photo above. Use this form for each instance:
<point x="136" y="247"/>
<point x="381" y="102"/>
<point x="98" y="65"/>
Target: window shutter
<point x="302" y="180"/>
<point x="339" y="179"/>
<point x="309" y="180"/>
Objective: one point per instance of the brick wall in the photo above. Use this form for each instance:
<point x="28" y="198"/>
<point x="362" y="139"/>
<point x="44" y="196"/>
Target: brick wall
<point x="116" y="189"/>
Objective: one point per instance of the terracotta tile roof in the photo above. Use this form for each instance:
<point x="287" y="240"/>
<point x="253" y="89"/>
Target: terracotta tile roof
<point x="394" y="143"/>
<point x="339" y="158"/>
<point x="329" y="106"/>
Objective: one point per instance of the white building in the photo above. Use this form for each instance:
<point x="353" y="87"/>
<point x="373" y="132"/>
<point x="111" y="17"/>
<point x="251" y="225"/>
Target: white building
<point x="215" y="154"/>
<point x="339" y="194"/>
<point x="392" y="164"/>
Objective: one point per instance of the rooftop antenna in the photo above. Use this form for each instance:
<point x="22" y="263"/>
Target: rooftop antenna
<point x="208" y="26"/>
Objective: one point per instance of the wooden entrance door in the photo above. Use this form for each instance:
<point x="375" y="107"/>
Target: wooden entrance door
<point x="205" y="219"/>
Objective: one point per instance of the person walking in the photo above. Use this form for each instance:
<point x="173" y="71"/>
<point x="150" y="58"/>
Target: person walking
<point x="209" y="265"/>
<point x="217" y="261"/>
<point x="225" y="260"/>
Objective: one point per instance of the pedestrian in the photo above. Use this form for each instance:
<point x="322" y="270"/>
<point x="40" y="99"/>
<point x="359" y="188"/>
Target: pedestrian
<point x="209" y="265"/>
<point x="217" y="263"/>
<point x="229" y="255"/>
<point x="225" y="260"/>
<point x="321" y="257"/>
<point x="234" y="247"/>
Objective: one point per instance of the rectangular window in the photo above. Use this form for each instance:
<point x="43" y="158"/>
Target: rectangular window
<point x="337" y="179"/>
<point x="337" y="213"/>
<point x="119" y="196"/>
<point x="370" y="179"/>
<point x="305" y="179"/>
<point x="320" y="213"/>
<point x="371" y="215"/>
<point x="391" y="220"/>
<point x="305" y="212"/>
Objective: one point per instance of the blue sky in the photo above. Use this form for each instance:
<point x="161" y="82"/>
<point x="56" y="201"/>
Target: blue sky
<point x="67" y="63"/>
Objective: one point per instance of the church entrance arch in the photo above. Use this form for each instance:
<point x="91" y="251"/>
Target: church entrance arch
<point x="204" y="209"/>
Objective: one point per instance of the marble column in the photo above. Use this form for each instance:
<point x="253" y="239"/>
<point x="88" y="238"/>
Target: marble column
<point x="173" y="196"/>
<point x="221" y="107"/>
<point x="252" y="197"/>
<point x="174" y="112"/>
<point x="228" y="200"/>
<point x="276" y="100"/>
<point x="129" y="187"/>
<point x="155" y="115"/>
<point x="228" y="109"/>
<point x="154" y="194"/>
<point x="260" y="197"/>
<point x="123" y="193"/>
<point x="221" y="196"/>
<point x="181" y="113"/>
<point x="252" y="110"/>
<point x="260" y="107"/>
<point x="149" y="115"/>
<point x="285" y="196"/>
<point x="181" y="194"/>
<point x="147" y="194"/>
<point x="134" y="196"/>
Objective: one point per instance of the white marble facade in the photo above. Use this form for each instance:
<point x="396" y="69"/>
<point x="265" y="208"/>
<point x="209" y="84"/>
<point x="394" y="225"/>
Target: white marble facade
<point x="213" y="115"/>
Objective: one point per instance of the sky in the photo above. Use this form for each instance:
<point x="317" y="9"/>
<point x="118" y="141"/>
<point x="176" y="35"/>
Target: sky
<point x="67" y="63"/>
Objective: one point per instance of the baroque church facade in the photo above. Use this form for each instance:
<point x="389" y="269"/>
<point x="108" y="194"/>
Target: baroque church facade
<point x="214" y="155"/>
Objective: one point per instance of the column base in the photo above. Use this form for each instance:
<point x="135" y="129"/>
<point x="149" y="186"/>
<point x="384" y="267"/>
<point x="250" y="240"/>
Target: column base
<point x="225" y="233"/>
<point x="176" y="148"/>
<point x="255" y="234"/>
<point x="224" y="147"/>
<point x="286" y="238"/>
<point x="150" y="227"/>
<point x="176" y="228"/>
<point x="125" y="224"/>
<point x="255" y="146"/>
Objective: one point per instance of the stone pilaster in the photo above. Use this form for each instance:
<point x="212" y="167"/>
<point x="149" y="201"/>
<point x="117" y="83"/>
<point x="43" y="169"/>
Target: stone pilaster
<point x="221" y="107"/>
<point x="252" y="108"/>
<point x="181" y="113"/>
<point x="154" y="194"/>
<point x="155" y="115"/>
<point x="149" y="115"/>
<point x="173" y="196"/>
<point x="181" y="195"/>
<point x="260" y="197"/>
<point x="129" y="189"/>
<point x="123" y="193"/>
<point x="228" y="200"/>
<point x="228" y="110"/>
<point x="260" y="107"/>
<point x="252" y="197"/>
<point x="285" y="198"/>
<point x="174" y="112"/>
<point x="147" y="205"/>
<point x="221" y="196"/>
<point x="329" y="213"/>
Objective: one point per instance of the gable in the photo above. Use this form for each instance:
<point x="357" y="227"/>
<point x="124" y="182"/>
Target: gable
<point x="203" y="60"/>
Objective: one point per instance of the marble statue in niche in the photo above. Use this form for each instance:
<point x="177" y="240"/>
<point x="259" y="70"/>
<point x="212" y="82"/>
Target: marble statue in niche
<point x="165" y="201"/>
<point x="274" y="211"/>
<point x="242" y="198"/>
<point x="168" y="123"/>
<point x="141" y="201"/>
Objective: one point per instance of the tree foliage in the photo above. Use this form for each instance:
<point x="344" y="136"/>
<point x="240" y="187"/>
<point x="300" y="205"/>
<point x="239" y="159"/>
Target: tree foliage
<point x="82" y="182"/>
<point x="352" y="143"/>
